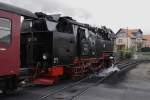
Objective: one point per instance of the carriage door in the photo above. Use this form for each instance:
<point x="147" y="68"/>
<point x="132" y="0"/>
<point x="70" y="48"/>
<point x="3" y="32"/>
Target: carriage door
<point x="9" y="43"/>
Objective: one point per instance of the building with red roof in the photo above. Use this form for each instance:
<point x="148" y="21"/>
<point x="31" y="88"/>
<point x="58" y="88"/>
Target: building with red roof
<point x="146" y="41"/>
<point x="129" y="38"/>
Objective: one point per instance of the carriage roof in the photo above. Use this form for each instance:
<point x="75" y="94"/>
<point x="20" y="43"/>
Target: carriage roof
<point x="17" y="10"/>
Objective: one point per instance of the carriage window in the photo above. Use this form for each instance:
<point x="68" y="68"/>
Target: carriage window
<point x="5" y="30"/>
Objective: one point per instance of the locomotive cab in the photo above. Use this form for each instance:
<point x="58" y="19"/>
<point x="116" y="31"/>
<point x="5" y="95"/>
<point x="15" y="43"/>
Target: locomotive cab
<point x="41" y="49"/>
<point x="36" y="44"/>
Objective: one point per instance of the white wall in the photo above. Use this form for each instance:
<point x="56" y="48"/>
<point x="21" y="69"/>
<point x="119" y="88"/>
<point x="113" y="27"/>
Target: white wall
<point x="125" y="41"/>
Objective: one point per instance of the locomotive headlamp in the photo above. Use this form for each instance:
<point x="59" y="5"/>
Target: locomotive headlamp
<point x="111" y="57"/>
<point x="45" y="56"/>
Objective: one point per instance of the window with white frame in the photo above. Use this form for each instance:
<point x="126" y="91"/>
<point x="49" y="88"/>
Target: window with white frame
<point x="5" y="30"/>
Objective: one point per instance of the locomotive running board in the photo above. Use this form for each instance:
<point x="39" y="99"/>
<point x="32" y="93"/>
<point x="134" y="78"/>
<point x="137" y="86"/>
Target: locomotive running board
<point x="44" y="81"/>
<point x="51" y="77"/>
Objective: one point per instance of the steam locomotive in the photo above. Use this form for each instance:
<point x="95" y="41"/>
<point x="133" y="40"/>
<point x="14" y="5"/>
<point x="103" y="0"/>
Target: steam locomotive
<point x="49" y="47"/>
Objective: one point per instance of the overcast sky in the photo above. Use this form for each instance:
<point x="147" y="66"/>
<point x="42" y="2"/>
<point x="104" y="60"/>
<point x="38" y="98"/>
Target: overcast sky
<point x="112" y="13"/>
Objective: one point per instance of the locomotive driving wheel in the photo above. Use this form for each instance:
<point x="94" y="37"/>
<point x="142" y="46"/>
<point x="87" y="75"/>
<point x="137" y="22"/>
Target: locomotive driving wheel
<point x="80" y="70"/>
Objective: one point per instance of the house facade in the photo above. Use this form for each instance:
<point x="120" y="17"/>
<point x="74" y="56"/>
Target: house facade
<point x="129" y="38"/>
<point x="146" y="41"/>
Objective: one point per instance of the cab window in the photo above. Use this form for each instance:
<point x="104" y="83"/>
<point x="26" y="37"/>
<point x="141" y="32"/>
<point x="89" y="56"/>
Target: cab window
<point x="82" y="33"/>
<point x="5" y="30"/>
<point x="65" y="27"/>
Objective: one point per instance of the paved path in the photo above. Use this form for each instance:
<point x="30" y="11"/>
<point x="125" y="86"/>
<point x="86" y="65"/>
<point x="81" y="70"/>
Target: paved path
<point x="134" y="85"/>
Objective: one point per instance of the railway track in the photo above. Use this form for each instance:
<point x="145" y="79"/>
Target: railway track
<point x="76" y="89"/>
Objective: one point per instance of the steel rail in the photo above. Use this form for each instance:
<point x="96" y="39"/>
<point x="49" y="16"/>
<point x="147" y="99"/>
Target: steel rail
<point x="128" y="65"/>
<point x="123" y="67"/>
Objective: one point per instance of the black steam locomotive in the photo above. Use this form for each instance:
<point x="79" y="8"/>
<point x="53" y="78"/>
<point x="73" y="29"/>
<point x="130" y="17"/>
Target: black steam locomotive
<point x="53" y="46"/>
<point x="48" y="47"/>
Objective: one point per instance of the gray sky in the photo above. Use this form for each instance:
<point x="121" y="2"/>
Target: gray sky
<point x="112" y="13"/>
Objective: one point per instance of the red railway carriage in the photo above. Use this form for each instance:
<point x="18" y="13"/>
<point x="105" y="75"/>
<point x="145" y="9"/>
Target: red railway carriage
<point x="10" y="18"/>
